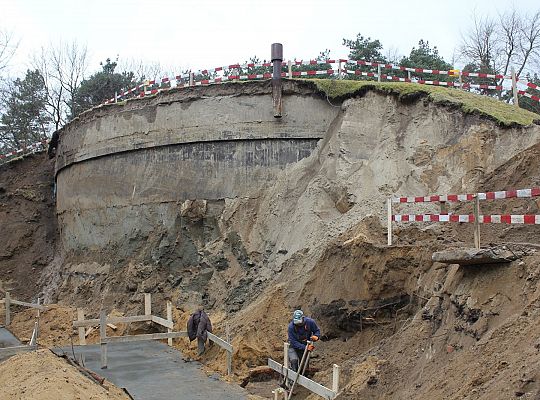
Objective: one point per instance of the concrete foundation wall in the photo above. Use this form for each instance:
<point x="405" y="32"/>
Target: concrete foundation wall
<point x="123" y="170"/>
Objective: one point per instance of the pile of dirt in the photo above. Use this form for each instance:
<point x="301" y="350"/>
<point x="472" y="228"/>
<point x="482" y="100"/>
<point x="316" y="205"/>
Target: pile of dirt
<point x="29" y="228"/>
<point x="41" y="375"/>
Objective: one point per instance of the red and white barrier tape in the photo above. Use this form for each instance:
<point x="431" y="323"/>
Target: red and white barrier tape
<point x="532" y="85"/>
<point x="504" y="194"/>
<point x="530" y="96"/>
<point x="483" y="219"/>
<point x="141" y="90"/>
<point x="31" y="147"/>
<point x="425" y="82"/>
<point x="423" y="70"/>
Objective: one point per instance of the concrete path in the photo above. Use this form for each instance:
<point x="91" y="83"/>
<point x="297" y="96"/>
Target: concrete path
<point x="152" y="370"/>
<point x="7" y="339"/>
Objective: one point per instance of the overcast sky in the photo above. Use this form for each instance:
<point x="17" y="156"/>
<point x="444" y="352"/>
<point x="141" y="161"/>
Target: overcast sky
<point x="206" y="34"/>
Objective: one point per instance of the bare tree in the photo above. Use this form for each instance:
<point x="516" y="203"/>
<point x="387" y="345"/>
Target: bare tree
<point x="63" y="67"/>
<point x="510" y="40"/>
<point x="479" y="43"/>
<point x="393" y="55"/>
<point x="8" y="47"/>
<point x="143" y="69"/>
<point x="530" y="42"/>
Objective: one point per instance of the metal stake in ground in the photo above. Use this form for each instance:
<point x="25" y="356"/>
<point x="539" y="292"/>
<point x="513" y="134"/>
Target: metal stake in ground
<point x="301" y="367"/>
<point x="277" y="59"/>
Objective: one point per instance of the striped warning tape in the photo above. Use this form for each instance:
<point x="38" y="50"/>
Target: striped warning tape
<point x="423" y="70"/>
<point x="483" y="219"/>
<point x="32" y="147"/>
<point x="426" y="82"/>
<point x="532" y="85"/>
<point x="179" y="80"/>
<point x="504" y="194"/>
<point x="530" y="96"/>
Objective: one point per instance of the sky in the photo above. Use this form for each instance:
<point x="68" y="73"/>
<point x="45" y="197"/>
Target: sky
<point x="205" y="34"/>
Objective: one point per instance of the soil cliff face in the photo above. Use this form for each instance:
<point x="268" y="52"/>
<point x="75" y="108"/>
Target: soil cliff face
<point x="312" y="235"/>
<point x="28" y="220"/>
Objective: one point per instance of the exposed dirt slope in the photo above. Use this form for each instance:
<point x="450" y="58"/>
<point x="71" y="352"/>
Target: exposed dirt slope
<point x="28" y="222"/>
<point x="41" y="375"/>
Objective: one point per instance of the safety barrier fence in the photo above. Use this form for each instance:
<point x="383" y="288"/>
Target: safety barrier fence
<point x="104" y="321"/>
<point x="23" y="150"/>
<point x="340" y="69"/>
<point x="477" y="218"/>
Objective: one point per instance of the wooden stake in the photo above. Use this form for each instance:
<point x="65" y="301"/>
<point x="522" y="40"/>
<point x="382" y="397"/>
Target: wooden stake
<point x="229" y="354"/>
<point x="514" y="87"/>
<point x="477" y="222"/>
<point x="378" y="72"/>
<point x="389" y="215"/>
<point x="147" y="304"/>
<point x="289" y="64"/>
<point x="103" y="335"/>
<point x="340" y="68"/>
<point x="169" y="318"/>
<point x="82" y="335"/>
<point x="335" y="379"/>
<point x="7" y="302"/>
<point x="286" y="354"/>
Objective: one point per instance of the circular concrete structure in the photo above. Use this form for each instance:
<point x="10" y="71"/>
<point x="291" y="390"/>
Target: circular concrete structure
<point x="123" y="170"/>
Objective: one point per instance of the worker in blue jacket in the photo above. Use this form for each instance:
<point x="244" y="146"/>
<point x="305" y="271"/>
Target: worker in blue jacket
<point x="301" y="329"/>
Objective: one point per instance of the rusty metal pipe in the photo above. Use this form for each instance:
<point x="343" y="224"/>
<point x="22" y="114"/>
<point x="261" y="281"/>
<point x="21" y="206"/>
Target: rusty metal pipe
<point x="277" y="59"/>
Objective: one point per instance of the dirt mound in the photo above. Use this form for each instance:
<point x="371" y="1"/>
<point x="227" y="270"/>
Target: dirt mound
<point x="55" y="325"/>
<point x="28" y="233"/>
<point x="41" y="375"/>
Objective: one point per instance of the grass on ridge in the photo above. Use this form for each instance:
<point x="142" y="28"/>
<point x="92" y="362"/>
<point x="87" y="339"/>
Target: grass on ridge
<point x="501" y="112"/>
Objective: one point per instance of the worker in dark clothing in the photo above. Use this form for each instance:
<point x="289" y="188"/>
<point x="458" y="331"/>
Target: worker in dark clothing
<point x="301" y="329"/>
<point x="198" y="325"/>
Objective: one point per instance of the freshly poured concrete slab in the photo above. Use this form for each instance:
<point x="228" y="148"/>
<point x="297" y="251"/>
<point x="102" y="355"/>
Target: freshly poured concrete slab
<point x="152" y="370"/>
<point x="470" y="256"/>
<point x="7" y="339"/>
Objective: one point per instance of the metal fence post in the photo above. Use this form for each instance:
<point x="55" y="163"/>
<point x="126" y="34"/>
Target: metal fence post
<point x="378" y="72"/>
<point x="277" y="59"/>
<point x="514" y="87"/>
<point x="191" y="78"/>
<point x="339" y="69"/>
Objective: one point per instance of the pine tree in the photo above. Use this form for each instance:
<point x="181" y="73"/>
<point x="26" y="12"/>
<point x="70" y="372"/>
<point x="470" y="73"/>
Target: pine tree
<point x="101" y="86"/>
<point x="25" y="120"/>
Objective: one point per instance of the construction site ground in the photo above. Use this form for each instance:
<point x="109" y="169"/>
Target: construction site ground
<point x="152" y="370"/>
<point x="399" y="325"/>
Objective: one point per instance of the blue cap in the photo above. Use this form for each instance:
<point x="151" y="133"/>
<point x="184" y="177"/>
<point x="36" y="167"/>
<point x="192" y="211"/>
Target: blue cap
<point x="298" y="317"/>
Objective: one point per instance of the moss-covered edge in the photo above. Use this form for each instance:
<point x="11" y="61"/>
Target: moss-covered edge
<point x="500" y="112"/>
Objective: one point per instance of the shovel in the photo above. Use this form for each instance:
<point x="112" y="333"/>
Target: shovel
<point x="301" y="368"/>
